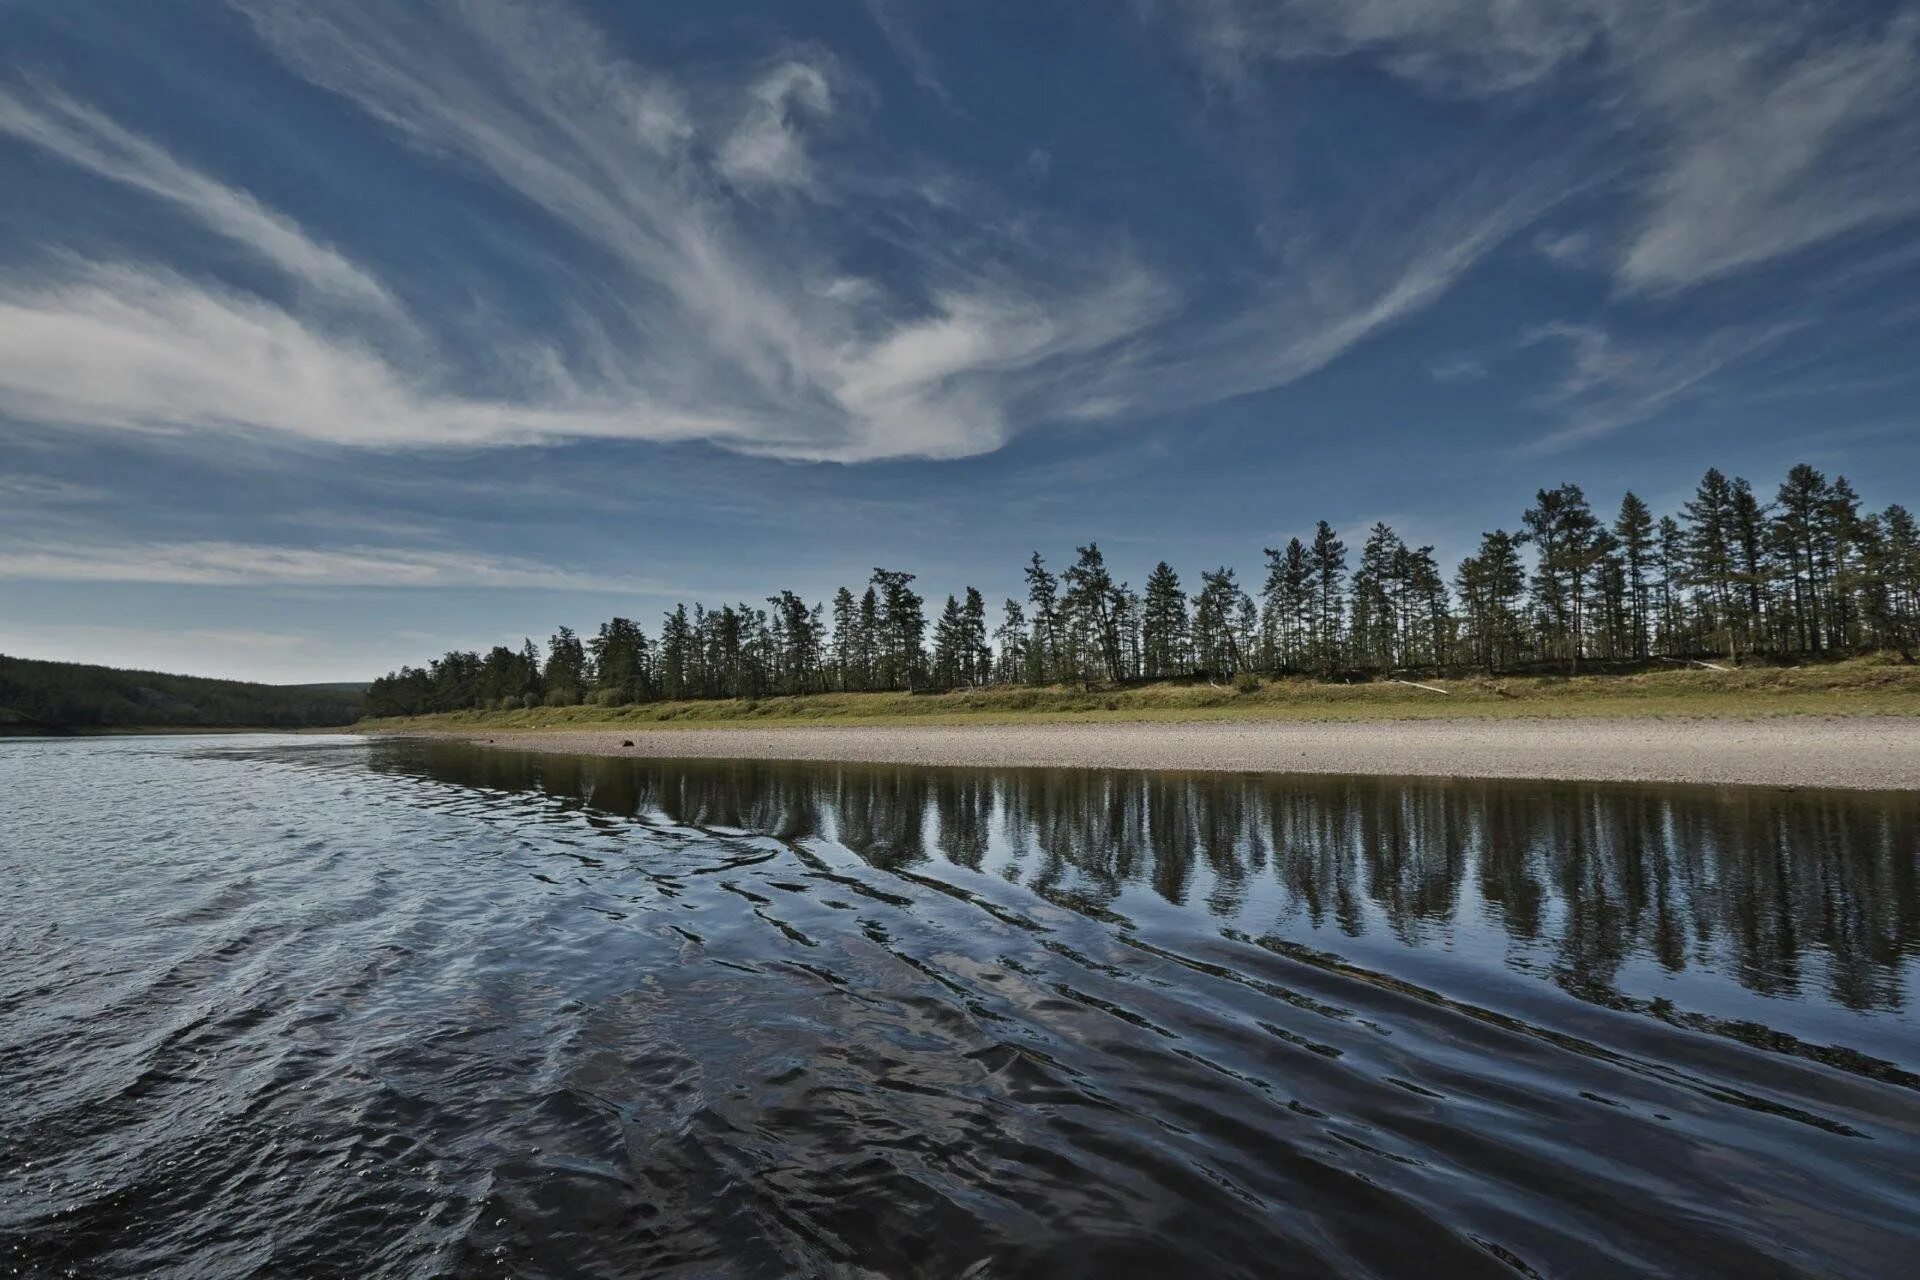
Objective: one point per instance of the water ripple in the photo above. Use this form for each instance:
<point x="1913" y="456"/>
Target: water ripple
<point x="326" y="1007"/>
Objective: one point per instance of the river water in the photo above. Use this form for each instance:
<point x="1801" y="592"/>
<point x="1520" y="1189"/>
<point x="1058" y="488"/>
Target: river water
<point x="331" y="1007"/>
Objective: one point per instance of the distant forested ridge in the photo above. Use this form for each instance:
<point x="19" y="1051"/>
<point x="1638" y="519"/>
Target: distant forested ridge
<point x="59" y="697"/>
<point x="1807" y="574"/>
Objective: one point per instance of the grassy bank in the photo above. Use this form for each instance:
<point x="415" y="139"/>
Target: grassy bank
<point x="1866" y="686"/>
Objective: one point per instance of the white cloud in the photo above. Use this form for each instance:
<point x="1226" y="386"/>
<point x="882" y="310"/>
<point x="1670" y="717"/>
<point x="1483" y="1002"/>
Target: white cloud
<point x="1774" y="148"/>
<point x="1768" y="126"/>
<point x="702" y="316"/>
<point x="1567" y="248"/>
<point x="1458" y="46"/>
<point x="736" y="322"/>
<point x="83" y="137"/>
<point x="126" y="348"/>
<point x="1458" y="369"/>
<point x="895" y="27"/>
<point x="244" y="564"/>
<point x="766" y="147"/>
<point x="706" y="313"/>
<point x="695" y="306"/>
<point x="37" y="491"/>
<point x="1610" y="384"/>
<point x="1341" y="284"/>
<point x="952" y="375"/>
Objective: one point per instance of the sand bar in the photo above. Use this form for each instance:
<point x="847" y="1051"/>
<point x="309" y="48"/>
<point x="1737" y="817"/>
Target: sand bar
<point x="1859" y="752"/>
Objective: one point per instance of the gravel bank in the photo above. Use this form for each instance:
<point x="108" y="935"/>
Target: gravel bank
<point x="1863" y="752"/>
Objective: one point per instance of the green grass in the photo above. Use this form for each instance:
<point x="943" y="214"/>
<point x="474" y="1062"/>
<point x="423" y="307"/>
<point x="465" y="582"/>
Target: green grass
<point x="1861" y="686"/>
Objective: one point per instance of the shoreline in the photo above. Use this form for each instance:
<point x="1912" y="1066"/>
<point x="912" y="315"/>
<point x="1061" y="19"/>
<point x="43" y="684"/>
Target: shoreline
<point x="1864" y="753"/>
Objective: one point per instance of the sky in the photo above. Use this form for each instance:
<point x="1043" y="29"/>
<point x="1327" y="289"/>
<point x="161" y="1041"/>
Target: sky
<point x="334" y="335"/>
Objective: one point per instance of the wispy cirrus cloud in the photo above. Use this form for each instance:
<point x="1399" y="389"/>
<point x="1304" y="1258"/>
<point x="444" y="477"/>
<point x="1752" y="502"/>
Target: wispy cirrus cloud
<point x="31" y="491"/>
<point x="1766" y="128"/>
<point x="743" y="307"/>
<point x="1452" y="46"/>
<point x="731" y="321"/>
<point x="767" y="146"/>
<point x="1737" y="137"/>
<point x="1610" y="383"/>
<point x="235" y="564"/>
<point x="1778" y="139"/>
<point x="1458" y="369"/>
<point x="40" y="114"/>
<point x="142" y="348"/>
<point x="1342" y="280"/>
<point x="720" y="280"/>
<point x="717" y="311"/>
<point x="895" y="21"/>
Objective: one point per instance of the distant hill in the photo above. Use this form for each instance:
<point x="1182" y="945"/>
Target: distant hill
<point x="66" y="697"/>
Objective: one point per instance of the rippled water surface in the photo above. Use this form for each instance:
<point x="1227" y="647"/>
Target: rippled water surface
<point x="325" y="1007"/>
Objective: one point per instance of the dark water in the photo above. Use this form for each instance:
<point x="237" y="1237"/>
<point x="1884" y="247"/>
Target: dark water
<point x="280" y="1007"/>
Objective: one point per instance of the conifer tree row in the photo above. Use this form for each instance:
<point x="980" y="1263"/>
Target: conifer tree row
<point x="1808" y="574"/>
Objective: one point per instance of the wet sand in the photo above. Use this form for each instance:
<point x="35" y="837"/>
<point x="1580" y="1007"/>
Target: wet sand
<point x="1858" y="752"/>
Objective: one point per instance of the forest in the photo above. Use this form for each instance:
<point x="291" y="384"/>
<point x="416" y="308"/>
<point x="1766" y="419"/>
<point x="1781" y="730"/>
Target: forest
<point x="64" y="697"/>
<point x="1730" y="577"/>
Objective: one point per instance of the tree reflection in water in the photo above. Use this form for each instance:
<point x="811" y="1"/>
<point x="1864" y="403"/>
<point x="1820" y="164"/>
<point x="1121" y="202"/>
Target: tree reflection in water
<point x="1774" y="889"/>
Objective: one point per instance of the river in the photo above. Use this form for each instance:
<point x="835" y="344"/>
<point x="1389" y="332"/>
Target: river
<point x="326" y="1006"/>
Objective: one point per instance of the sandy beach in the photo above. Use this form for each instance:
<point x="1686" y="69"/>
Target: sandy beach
<point x="1857" y="752"/>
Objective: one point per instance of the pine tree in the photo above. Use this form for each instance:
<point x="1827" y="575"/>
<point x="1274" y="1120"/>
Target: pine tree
<point x="1491" y="586"/>
<point x="1845" y="533"/>
<point x="1710" y="556"/>
<point x="1672" y="562"/>
<point x="1897" y="566"/>
<point x="1246" y="632"/>
<point x="622" y="674"/>
<point x="1215" y="617"/>
<point x="903" y="629"/>
<point x="1430" y="611"/>
<point x="1164" y="625"/>
<point x="799" y="644"/>
<point x="566" y="673"/>
<point x="1291" y="596"/>
<point x="1378" y="597"/>
<point x="1011" y="639"/>
<point x="1567" y="547"/>
<point x="1633" y="527"/>
<point x="676" y="644"/>
<point x="867" y="640"/>
<point x="1286" y="603"/>
<point x="1327" y="561"/>
<point x="1809" y="573"/>
<point x="977" y="665"/>
<point x="1126" y="623"/>
<point x="846" y="623"/>
<point x="1043" y="650"/>
<point x="1747" y="526"/>
<point x="949" y="647"/>
<point x="1607" y="596"/>
<point x="1089" y="599"/>
<point x="1798" y="534"/>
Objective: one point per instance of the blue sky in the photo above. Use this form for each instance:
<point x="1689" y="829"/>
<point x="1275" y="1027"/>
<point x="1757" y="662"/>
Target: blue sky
<point x="334" y="335"/>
